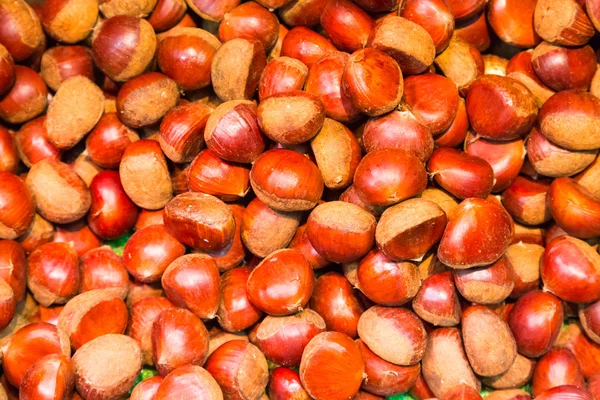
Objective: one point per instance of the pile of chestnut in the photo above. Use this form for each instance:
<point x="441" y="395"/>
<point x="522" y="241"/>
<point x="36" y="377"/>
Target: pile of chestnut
<point x="299" y="199"/>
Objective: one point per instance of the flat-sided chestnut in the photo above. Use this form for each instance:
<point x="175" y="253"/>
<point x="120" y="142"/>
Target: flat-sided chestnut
<point x="535" y="322"/>
<point x="286" y="180"/>
<point x="149" y="252"/>
<point x="123" y="46"/>
<point x="382" y="90"/>
<point x="17" y="207"/>
<point x="331" y="363"/>
<point x="325" y="81"/>
<point x="477" y="234"/>
<point x="486" y="285"/>
<point x="289" y="274"/>
<point x="437" y="300"/>
<point x="192" y="281"/>
<point x="386" y="177"/>
<point x="185" y="55"/>
<point x="525" y="200"/>
<point x="200" y="220"/>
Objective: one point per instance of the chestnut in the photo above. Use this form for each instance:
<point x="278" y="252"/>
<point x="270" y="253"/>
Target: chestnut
<point x="212" y="10"/>
<point x="347" y="25"/>
<point x="554" y="161"/>
<point x="477" y="234"/>
<point x="562" y="22"/>
<point x="520" y="67"/>
<point x="250" y="21"/>
<point x="69" y="21"/>
<point x="525" y="200"/>
<point x="26" y="99"/>
<point x="145" y="175"/>
<point x="512" y="21"/>
<point x="515" y="104"/>
<point x="372" y="96"/>
<point x="200" y="220"/>
<point x="123" y="46"/>
<point x="574" y="208"/>
<point x="288" y="266"/>
<point x="489" y="343"/>
<point x="556" y="368"/>
<point x="464" y="9"/>
<point x="93" y="378"/>
<point x="408" y="230"/>
<point x="63" y="62"/>
<point x="446" y="344"/>
<point x="228" y="363"/>
<point x="462" y="174"/>
<point x="9" y="158"/>
<point x="179" y="338"/>
<point x="111" y="8"/>
<point x="525" y="260"/>
<point x="486" y="285"/>
<point x="147" y="388"/>
<point x="211" y="175"/>
<point x="101" y="269"/>
<point x="107" y="142"/>
<point x="384" y="378"/>
<point x="563" y="391"/>
<point x="570" y="119"/>
<point x="257" y="230"/>
<point x="190" y="377"/>
<point x="535" y="322"/>
<point x="20" y="29"/>
<point x="461" y="62"/>
<point x="519" y="373"/>
<point x="437" y="300"/>
<point x="185" y="55"/>
<point x="17" y="206"/>
<point x="149" y="252"/>
<point x="505" y="158"/>
<point x="458" y="130"/>
<point x="331" y="363"/>
<point x="79" y="235"/>
<point x="232" y="132"/>
<point x="589" y="316"/>
<point x="283" y="339"/>
<point x="414" y="54"/>
<point x="282" y="75"/>
<point x="284" y="383"/>
<point x="61" y="195"/>
<point x="286" y="180"/>
<point x="53" y="373"/>
<point x="236" y="69"/>
<point x="236" y="312"/>
<point x="568" y="283"/>
<point x="167" y="14"/>
<point x="475" y="32"/>
<point x="305" y="45"/>
<point x="40" y="232"/>
<point x="434" y="16"/>
<point x="145" y="99"/>
<point x="143" y="313"/>
<point x="30" y="344"/>
<point x="399" y="129"/>
<point x="335" y="301"/>
<point x="92" y="314"/>
<point x="585" y="350"/>
<point x="378" y="322"/>
<point x="555" y="66"/>
<point x="386" y="177"/>
<point x="291" y="118"/>
<point x="302" y="12"/>
<point x="232" y="255"/>
<point x="192" y="281"/>
<point x="341" y="232"/>
<point x="386" y="282"/>
<point x="434" y="99"/>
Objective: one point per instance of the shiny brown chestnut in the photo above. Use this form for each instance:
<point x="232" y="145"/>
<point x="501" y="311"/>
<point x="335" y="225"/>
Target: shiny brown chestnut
<point x="562" y="22"/>
<point x="250" y="21"/>
<point x="107" y="142"/>
<point x="26" y="99"/>
<point x="512" y="21"/>
<point x="347" y="25"/>
<point x="525" y="200"/>
<point x="282" y="75"/>
<point x="434" y="16"/>
<point x="574" y="208"/>
<point x="305" y="45"/>
<point x="564" y="68"/>
<point x="520" y="68"/>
